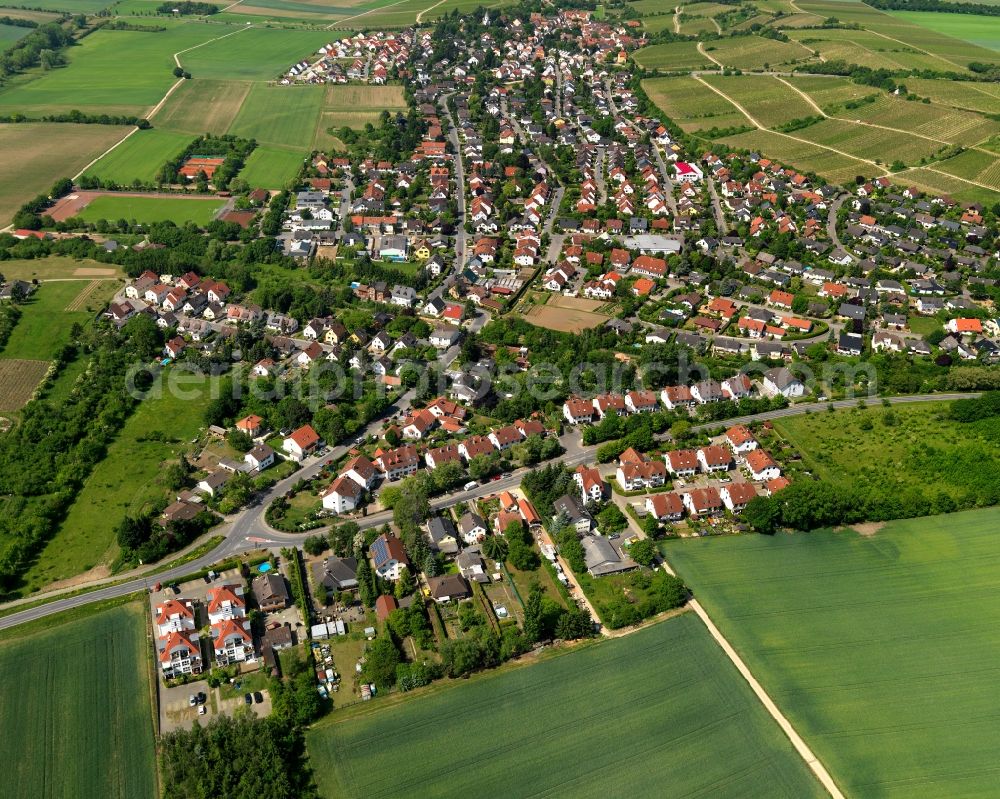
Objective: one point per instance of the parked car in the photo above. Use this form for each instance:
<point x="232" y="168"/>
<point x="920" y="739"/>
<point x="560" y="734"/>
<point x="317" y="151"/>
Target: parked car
<point x="258" y="697"/>
<point x="192" y="700"/>
<point x="202" y="710"/>
<point x="470" y="485"/>
<point x="247" y="699"/>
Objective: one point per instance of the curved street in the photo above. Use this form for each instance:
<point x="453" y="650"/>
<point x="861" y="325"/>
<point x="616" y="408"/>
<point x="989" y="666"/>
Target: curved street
<point x="248" y="530"/>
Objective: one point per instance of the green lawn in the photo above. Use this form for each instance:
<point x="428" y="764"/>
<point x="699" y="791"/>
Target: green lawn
<point x="129" y="477"/>
<point x="272" y="167"/>
<point x="44" y="326"/>
<point x="147" y="210"/>
<point x="975" y="28"/>
<point x="921" y="451"/>
<point x="75" y="709"/>
<point x="140" y="156"/>
<point x="882" y="651"/>
<point x="659" y="712"/>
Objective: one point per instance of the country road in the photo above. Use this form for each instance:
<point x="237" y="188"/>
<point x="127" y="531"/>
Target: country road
<point x="248" y="530"/>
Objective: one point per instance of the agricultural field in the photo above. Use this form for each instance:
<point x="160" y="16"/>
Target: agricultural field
<point x="140" y="156"/>
<point x="673" y="57"/>
<point x="342" y="103"/>
<point x="568" y="314"/>
<point x="690" y="27"/>
<point x="18" y="380"/>
<point x="871" y="49"/>
<point x="140" y="63"/>
<point x="982" y="97"/>
<point x="54" y="266"/>
<point x="11" y="33"/>
<point x="769" y="101"/>
<point x="692" y="105"/>
<point x="930" y="180"/>
<point x="756" y="52"/>
<point x="69" y="6"/>
<point x="831" y="93"/>
<point x="927" y="119"/>
<point x="271" y="167"/>
<point x="50" y="312"/>
<point x="864" y="447"/>
<point x="524" y="728"/>
<point x="879" y="648"/>
<point x="202" y="106"/>
<point x="124" y="482"/>
<point x="280" y="115"/>
<point x="868" y="143"/>
<point x="974" y="165"/>
<point x="801" y="153"/>
<point x="146" y="210"/>
<point x="974" y="28"/>
<point x="33" y="156"/>
<point x="256" y="54"/>
<point x="75" y="709"/>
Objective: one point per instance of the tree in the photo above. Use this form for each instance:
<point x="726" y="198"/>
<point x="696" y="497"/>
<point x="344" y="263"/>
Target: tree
<point x="316" y="545"/>
<point x="533" y="621"/>
<point x="611" y="519"/>
<point x="381" y="659"/>
<point x="574" y="623"/>
<point x="366" y="582"/>
<point x="495" y="548"/>
<point x="405" y="585"/>
<point x="642" y="551"/>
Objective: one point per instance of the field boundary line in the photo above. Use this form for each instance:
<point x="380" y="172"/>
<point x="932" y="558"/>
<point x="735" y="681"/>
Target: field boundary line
<point x="122" y="140"/>
<point x="340" y="22"/>
<point x="677" y="19"/>
<point x="949" y="175"/>
<point x="804" y="96"/>
<point x="704" y="52"/>
<point x="919" y="49"/>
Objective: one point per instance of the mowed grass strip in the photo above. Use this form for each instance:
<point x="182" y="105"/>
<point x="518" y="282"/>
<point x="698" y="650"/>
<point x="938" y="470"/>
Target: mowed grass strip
<point x="74" y="708"/>
<point x="122" y="483"/>
<point x="33" y="156"/>
<point x="203" y="106"/>
<point x="280" y="115"/>
<point x="684" y="724"/>
<point x="140" y="156"/>
<point x="146" y="210"/>
<point x="882" y="650"/>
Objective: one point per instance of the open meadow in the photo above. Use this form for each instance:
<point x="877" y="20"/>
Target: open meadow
<point x="254" y="53"/>
<point x="146" y="210"/>
<point x="129" y="477"/>
<point x="672" y="57"/>
<point x="75" y="709"/>
<point x="271" y="167"/>
<point x="568" y="314"/>
<point x="905" y="449"/>
<point x="33" y="156"/>
<point x="880" y="649"/>
<point x="685" y="724"/>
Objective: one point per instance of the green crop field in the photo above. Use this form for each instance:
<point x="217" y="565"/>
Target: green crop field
<point x="272" y="167"/>
<point x="874" y="144"/>
<point x="692" y="104"/>
<point x="353" y="106"/>
<point x="75" y="709"/>
<point x="147" y="210"/>
<point x="685" y="724"/>
<point x="927" y="119"/>
<point x="112" y="72"/>
<point x="129" y="477"/>
<point x="140" y="156"/>
<point x="880" y="650"/>
<point x="255" y="53"/>
<point x="974" y="165"/>
<point x="941" y="183"/>
<point x="830" y="94"/>
<point x="203" y="106"/>
<point x="280" y="115"/>
<point x="977" y="29"/>
<point x="673" y="57"/>
<point x="768" y="100"/>
<point x="33" y="156"/>
<point x="864" y="447"/>
<point x="11" y="33"/>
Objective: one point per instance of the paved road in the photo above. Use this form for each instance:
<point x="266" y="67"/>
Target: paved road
<point x="248" y="530"/>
